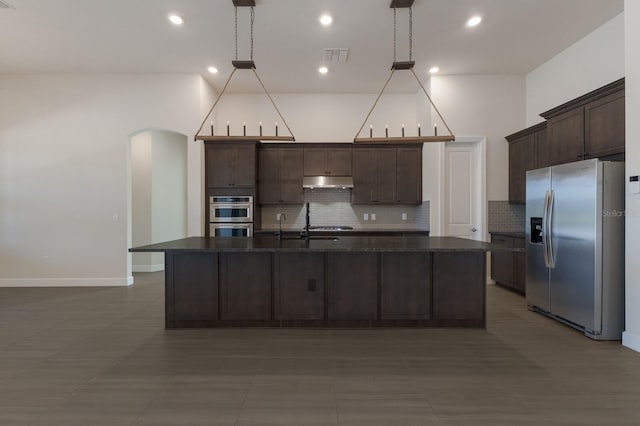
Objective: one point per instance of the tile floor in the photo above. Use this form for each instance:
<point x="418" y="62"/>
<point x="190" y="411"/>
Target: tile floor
<point x="100" y="356"/>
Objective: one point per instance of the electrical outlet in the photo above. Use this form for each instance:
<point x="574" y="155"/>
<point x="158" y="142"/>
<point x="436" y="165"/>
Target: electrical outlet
<point x="373" y="216"/>
<point x="404" y="216"/>
<point x="366" y="216"/>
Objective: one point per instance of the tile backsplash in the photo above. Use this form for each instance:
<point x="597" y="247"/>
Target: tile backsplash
<point x="506" y="217"/>
<point x="332" y="207"/>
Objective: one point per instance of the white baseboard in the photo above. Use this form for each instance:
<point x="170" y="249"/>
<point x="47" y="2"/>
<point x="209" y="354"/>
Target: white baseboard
<point x="631" y="341"/>
<point x="148" y="268"/>
<point x="66" y="282"/>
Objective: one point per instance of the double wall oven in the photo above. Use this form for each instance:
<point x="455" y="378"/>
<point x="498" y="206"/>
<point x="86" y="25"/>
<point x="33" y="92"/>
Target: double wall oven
<point x="230" y="216"/>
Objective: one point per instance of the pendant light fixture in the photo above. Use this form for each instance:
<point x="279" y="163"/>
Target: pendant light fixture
<point x="244" y="65"/>
<point x="397" y="66"/>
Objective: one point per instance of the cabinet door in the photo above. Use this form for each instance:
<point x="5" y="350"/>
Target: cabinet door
<point x="364" y="175"/>
<point x="191" y="287"/>
<point x="385" y="176"/>
<point x="405" y="285"/>
<point x="605" y="126"/>
<point x="315" y="161"/>
<point x="299" y="286"/>
<point x="521" y="158"/>
<point x="459" y="285"/>
<point x="244" y="171"/>
<point x="291" y="172"/>
<point x="339" y="161"/>
<point x="352" y="296"/>
<point x="245" y="286"/>
<point x="219" y="166"/>
<point x="409" y="176"/>
<point x="269" y="176"/>
<point x="502" y="265"/>
<point x="519" y="284"/>
<point x="542" y="150"/>
<point x="566" y="137"/>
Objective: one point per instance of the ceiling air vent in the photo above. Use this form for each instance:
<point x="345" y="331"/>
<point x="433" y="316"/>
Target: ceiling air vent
<point x="340" y="54"/>
<point x="5" y="5"/>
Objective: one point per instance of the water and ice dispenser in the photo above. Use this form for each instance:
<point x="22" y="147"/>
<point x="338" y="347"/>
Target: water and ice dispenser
<point x="536" y="230"/>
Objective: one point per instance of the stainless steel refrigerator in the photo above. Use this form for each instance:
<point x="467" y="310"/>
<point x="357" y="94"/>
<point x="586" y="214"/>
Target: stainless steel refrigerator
<point x="575" y="245"/>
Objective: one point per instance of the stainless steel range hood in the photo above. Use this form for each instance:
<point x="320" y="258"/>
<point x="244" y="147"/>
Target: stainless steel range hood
<point x="338" y="182"/>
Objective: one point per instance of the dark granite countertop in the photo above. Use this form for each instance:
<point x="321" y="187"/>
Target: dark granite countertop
<point x="358" y="232"/>
<point x="508" y="234"/>
<point x="269" y="243"/>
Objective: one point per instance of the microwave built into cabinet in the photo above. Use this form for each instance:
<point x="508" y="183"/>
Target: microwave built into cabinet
<point x="230" y="209"/>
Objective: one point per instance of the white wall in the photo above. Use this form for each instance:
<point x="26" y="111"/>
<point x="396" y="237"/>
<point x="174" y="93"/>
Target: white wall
<point x="63" y="170"/>
<point x="484" y="105"/>
<point x="317" y="117"/>
<point x="141" y="199"/>
<point x="631" y="336"/>
<point x="592" y="62"/>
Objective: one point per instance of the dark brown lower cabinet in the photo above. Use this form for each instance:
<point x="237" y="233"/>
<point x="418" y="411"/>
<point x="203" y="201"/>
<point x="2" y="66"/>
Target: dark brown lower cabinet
<point x="405" y="285"/>
<point x="317" y="289"/>
<point x="299" y="286"/>
<point x="508" y="269"/>
<point x="519" y="284"/>
<point x="191" y="287"/>
<point x="502" y="263"/>
<point x="352" y="296"/>
<point x="459" y="285"/>
<point x="245" y="286"/>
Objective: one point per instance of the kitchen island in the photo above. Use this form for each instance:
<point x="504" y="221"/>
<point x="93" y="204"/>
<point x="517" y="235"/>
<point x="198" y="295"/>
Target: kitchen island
<point x="324" y="281"/>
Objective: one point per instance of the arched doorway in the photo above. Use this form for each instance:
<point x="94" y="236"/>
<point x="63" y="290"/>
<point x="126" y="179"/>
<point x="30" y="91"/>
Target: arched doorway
<point x="158" y="193"/>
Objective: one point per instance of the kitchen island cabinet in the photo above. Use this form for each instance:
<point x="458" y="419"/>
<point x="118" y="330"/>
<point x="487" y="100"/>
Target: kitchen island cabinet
<point x="345" y="281"/>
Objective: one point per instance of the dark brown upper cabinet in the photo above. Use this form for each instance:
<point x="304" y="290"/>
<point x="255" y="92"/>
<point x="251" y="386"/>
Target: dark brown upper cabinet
<point x="374" y="175"/>
<point x="590" y="126"/>
<point x="230" y="165"/>
<point x="526" y="147"/>
<point x="604" y="122"/>
<point x="280" y="175"/>
<point x="330" y="161"/>
<point x="387" y="175"/>
<point x="409" y="175"/>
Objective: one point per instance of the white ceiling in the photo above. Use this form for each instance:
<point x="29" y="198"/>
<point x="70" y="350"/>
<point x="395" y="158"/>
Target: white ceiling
<point x="134" y="36"/>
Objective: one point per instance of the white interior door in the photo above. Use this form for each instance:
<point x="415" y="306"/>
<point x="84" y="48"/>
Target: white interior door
<point x="463" y="191"/>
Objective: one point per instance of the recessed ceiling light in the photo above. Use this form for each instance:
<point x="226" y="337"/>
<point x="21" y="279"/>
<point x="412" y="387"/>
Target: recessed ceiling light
<point x="213" y="70"/>
<point x="176" y="19"/>
<point x="326" y="20"/>
<point x="434" y="70"/>
<point x="473" y="21"/>
<point x="323" y="70"/>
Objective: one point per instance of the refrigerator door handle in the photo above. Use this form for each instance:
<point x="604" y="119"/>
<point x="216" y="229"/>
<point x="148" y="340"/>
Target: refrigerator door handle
<point x="545" y="246"/>
<point x="548" y="234"/>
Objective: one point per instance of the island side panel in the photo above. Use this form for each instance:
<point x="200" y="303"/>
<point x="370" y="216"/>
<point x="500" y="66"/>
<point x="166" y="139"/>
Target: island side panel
<point x="191" y="288"/>
<point x="245" y="286"/>
<point x="352" y="286"/>
<point x="299" y="285"/>
<point x="459" y="287"/>
<point x="405" y="286"/>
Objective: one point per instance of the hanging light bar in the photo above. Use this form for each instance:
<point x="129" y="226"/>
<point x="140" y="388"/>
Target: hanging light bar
<point x="404" y="65"/>
<point x="244" y="65"/>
